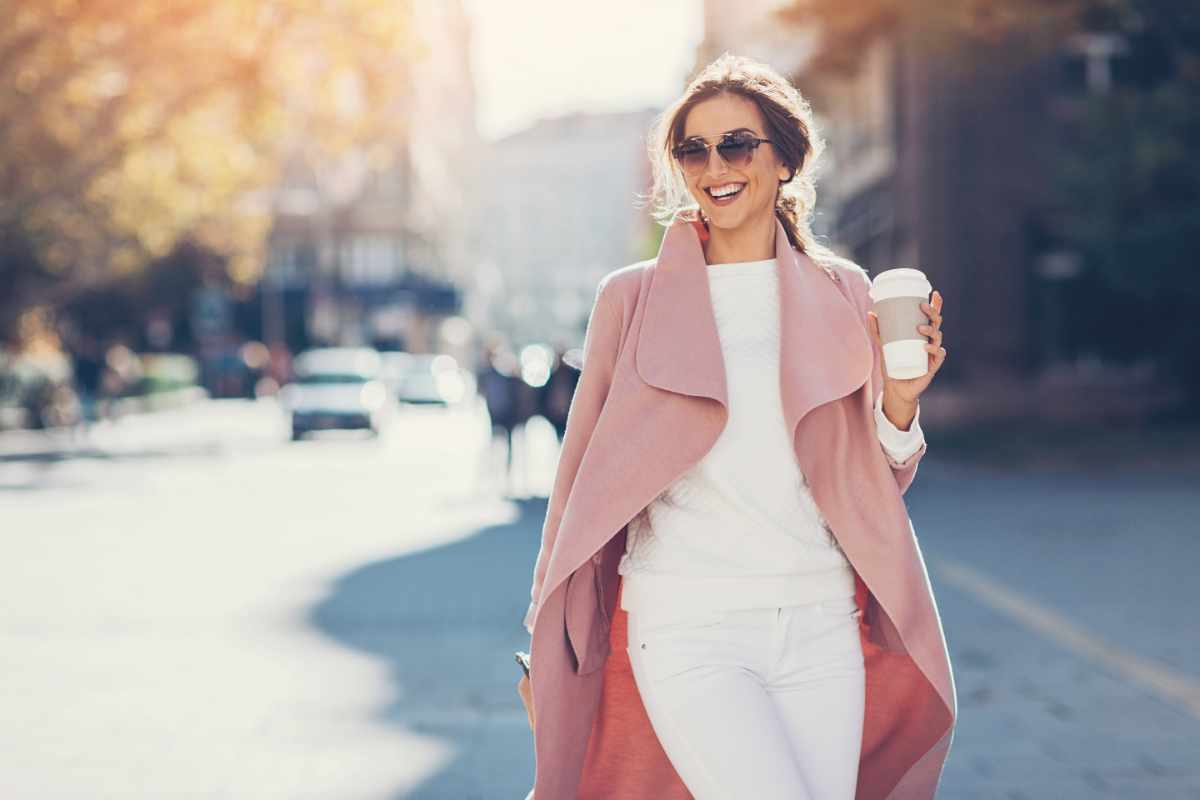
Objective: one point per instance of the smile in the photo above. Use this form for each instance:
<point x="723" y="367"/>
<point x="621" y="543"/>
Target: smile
<point x="726" y="194"/>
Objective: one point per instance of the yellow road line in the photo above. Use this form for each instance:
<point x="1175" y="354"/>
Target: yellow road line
<point x="1170" y="685"/>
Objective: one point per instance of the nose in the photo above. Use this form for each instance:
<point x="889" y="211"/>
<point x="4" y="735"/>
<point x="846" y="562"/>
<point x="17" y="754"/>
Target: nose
<point x="714" y="156"/>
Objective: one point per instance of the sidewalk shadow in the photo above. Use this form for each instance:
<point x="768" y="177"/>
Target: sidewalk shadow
<point x="447" y="621"/>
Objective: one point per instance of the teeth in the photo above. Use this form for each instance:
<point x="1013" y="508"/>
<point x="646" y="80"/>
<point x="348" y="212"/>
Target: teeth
<point x="723" y="191"/>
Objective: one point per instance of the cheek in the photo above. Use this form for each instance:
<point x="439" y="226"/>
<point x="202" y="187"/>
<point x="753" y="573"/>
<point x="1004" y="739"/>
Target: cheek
<point x="768" y="188"/>
<point x="765" y="179"/>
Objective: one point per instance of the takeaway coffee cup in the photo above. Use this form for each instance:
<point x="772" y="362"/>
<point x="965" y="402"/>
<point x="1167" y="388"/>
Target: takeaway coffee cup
<point x="897" y="295"/>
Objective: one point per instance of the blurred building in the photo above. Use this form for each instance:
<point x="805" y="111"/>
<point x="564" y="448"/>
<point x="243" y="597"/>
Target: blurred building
<point x="556" y="212"/>
<point x="371" y="251"/>
<point x="939" y="159"/>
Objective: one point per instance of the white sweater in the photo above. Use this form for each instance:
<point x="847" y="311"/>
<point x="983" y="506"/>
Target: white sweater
<point x="740" y="529"/>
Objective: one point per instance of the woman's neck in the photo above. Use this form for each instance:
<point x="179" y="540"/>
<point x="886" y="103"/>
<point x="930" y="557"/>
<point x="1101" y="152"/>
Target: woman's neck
<point x="752" y="241"/>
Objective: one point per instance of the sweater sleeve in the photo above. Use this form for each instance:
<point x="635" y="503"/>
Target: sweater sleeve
<point x="897" y="443"/>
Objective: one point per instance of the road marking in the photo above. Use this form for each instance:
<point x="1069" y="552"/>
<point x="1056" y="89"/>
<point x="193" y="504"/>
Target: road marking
<point x="1170" y="685"/>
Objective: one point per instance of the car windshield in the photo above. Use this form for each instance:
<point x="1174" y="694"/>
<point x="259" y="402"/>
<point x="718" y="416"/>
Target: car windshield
<point x="326" y="378"/>
<point x="420" y="379"/>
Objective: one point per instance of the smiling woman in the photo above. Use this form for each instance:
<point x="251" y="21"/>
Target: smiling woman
<point x="772" y="632"/>
<point x="767" y="148"/>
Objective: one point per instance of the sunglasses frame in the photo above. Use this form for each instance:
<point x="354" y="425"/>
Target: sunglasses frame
<point x="741" y="137"/>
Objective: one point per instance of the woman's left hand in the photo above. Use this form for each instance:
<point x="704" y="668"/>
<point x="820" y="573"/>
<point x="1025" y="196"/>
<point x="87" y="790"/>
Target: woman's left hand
<point x="526" y="691"/>
<point x="908" y="390"/>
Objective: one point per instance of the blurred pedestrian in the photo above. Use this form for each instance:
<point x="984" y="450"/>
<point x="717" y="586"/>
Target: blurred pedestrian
<point x="121" y="373"/>
<point x="87" y="369"/>
<point x="557" y="393"/>
<point x="496" y="381"/>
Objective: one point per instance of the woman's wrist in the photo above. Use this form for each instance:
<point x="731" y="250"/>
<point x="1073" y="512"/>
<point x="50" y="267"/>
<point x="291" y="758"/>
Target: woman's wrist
<point x="899" y="412"/>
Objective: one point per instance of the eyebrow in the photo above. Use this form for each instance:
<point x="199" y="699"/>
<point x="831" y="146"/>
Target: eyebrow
<point x="696" y="136"/>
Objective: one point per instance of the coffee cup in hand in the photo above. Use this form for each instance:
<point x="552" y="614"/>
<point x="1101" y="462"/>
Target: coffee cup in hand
<point x="897" y="295"/>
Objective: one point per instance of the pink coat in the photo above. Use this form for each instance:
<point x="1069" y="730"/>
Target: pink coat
<point x="651" y="401"/>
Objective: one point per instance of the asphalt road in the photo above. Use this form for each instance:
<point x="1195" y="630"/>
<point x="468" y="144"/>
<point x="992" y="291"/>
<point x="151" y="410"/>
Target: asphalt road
<point x="192" y="606"/>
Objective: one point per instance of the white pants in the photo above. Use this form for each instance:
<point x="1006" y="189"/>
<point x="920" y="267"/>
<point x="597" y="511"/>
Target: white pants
<point x="761" y="702"/>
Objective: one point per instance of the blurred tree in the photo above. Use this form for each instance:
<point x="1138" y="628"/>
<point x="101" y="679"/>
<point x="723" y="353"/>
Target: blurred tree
<point x="1130" y="189"/>
<point x="1127" y="178"/>
<point x="126" y="126"/>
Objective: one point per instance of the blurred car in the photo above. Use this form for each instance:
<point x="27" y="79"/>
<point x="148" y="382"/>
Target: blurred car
<point x="394" y="367"/>
<point x="424" y="378"/>
<point x="336" y="388"/>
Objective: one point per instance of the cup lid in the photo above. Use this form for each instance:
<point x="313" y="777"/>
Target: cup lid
<point x="899" y="273"/>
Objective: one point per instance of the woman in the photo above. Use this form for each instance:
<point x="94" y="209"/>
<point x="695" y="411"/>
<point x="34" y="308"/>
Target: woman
<point x="729" y="600"/>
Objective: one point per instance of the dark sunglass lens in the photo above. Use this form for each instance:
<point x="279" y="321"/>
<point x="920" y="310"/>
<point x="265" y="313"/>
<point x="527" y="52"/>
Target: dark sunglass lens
<point x="736" y="151"/>
<point x="692" y="158"/>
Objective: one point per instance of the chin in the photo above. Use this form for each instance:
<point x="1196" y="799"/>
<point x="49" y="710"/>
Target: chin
<point x="725" y="222"/>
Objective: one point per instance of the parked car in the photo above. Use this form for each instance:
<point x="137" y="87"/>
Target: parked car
<point x="425" y="378"/>
<point x="394" y="369"/>
<point x="336" y="388"/>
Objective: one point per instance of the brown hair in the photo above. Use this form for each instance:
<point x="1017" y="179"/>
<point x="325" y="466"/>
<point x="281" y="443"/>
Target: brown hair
<point x="790" y="126"/>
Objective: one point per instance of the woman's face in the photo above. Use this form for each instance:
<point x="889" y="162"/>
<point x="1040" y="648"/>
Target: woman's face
<point x="759" y="180"/>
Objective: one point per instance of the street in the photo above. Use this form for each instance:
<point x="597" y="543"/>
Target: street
<point x="193" y="606"/>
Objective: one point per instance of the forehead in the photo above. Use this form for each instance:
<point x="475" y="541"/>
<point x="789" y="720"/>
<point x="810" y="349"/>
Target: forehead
<point x="722" y="113"/>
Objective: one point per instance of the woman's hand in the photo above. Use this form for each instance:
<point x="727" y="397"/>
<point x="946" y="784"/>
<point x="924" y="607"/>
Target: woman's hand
<point x="526" y="693"/>
<point x="907" y="390"/>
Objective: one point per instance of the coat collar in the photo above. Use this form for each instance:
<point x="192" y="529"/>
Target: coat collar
<point x="825" y="349"/>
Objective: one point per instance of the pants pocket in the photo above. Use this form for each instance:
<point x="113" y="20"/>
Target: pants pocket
<point x="842" y="608"/>
<point x="670" y="647"/>
<point x="651" y="622"/>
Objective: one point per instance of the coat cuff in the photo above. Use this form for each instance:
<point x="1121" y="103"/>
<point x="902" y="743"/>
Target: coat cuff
<point x="897" y="443"/>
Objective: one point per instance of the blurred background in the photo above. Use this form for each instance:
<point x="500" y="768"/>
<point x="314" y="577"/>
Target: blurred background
<point x="286" y="289"/>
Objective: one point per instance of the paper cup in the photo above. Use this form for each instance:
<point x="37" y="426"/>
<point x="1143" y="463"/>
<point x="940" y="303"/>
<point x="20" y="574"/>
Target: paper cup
<point x="896" y="295"/>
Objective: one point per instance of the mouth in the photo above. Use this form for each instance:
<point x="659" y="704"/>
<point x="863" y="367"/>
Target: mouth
<point x="725" y="193"/>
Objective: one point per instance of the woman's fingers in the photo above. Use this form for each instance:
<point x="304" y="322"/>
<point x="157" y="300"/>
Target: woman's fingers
<point x="933" y="329"/>
<point x="523" y="689"/>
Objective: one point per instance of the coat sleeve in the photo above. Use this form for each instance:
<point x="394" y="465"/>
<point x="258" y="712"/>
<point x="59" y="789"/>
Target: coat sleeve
<point x="600" y="346"/>
<point x="904" y="470"/>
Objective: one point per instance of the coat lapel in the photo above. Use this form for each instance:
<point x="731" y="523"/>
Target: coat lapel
<point x="825" y="351"/>
<point x="678" y="348"/>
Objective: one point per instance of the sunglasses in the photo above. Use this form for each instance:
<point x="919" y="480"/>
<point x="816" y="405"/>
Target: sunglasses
<point x="736" y="149"/>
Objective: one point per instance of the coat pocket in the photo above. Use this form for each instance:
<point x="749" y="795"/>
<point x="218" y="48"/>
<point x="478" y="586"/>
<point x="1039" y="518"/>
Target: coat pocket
<point x="586" y="621"/>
